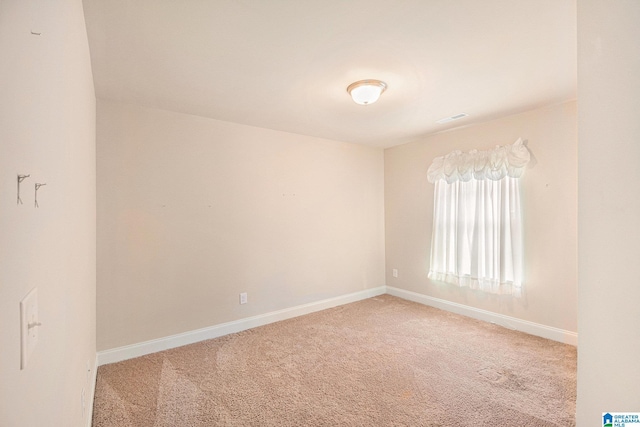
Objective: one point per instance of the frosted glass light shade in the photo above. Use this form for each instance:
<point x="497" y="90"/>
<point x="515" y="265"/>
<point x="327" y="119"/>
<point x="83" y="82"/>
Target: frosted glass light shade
<point x="365" y="92"/>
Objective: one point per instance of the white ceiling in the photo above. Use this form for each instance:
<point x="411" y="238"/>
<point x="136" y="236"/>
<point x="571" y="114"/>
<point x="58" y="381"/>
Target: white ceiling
<point x="285" y="64"/>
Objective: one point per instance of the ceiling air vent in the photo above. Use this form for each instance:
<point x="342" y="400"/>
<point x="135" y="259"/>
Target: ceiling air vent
<point x="452" y="118"/>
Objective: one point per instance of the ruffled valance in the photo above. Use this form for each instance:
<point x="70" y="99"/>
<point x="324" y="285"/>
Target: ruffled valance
<point x="491" y="164"/>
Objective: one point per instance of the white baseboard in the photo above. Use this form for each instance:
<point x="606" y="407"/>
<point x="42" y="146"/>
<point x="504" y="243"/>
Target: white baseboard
<point x="509" y="322"/>
<point x="153" y="346"/>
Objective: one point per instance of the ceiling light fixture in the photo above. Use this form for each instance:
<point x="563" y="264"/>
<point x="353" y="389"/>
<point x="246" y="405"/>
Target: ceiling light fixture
<point x="365" y="92"/>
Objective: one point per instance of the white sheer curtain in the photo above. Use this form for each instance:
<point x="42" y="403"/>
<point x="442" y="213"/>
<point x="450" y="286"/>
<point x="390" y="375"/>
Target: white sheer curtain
<point x="477" y="219"/>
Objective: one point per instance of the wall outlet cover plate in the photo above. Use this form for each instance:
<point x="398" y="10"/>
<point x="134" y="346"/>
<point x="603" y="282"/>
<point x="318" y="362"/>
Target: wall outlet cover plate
<point x="28" y="335"/>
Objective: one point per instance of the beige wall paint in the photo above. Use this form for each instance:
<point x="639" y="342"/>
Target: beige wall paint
<point x="193" y="211"/>
<point x="47" y="129"/>
<point x="609" y="235"/>
<point x="549" y="192"/>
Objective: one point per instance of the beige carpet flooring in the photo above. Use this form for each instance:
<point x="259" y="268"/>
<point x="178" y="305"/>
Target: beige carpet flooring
<point x="383" y="361"/>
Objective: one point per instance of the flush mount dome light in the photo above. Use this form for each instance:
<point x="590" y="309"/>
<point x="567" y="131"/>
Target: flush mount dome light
<point x="365" y="92"/>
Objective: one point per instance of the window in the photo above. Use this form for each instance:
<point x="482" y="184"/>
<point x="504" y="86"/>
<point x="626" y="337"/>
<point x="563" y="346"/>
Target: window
<point x="477" y="220"/>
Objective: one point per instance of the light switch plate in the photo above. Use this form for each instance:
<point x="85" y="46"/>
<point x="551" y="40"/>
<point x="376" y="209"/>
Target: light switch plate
<point x="29" y="326"/>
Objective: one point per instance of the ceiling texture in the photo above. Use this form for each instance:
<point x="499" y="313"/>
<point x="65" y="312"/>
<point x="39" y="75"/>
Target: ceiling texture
<point x="286" y="64"/>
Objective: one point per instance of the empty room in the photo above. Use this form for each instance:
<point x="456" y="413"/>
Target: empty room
<point x="306" y="213"/>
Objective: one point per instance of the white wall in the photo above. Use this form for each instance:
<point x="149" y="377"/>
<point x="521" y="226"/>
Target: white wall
<point x="549" y="192"/>
<point x="47" y="129"/>
<point x="192" y="211"/>
<point x="609" y="208"/>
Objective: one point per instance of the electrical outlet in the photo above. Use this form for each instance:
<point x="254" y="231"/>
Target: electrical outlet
<point x="29" y="326"/>
<point x="395" y="272"/>
<point x="243" y="298"/>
